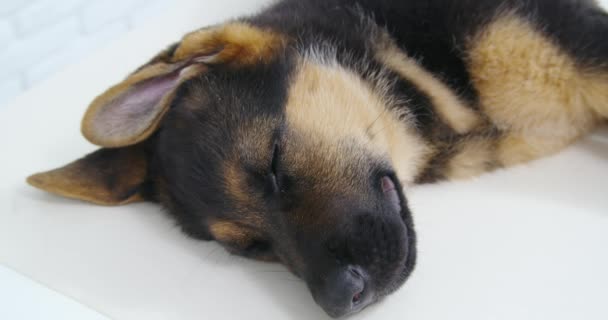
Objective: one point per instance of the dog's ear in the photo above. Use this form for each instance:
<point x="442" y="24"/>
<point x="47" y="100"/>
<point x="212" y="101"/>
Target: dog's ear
<point x="132" y="110"/>
<point x="106" y="177"/>
<point x="128" y="113"/>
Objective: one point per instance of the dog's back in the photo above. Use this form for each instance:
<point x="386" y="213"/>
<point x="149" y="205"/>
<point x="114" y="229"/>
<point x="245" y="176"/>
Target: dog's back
<point x="491" y="83"/>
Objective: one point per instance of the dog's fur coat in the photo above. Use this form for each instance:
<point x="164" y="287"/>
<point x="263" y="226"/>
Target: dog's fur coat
<point x="284" y="135"/>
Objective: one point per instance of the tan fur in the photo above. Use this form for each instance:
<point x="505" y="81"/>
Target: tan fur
<point x="449" y="107"/>
<point x="62" y="182"/>
<point x="254" y="148"/>
<point x="236" y="44"/>
<point x="235" y="184"/>
<point x="237" y="238"/>
<point x="228" y="232"/>
<point x="236" y="188"/>
<point x="473" y="158"/>
<point x="337" y="105"/>
<point x="103" y="181"/>
<point x="532" y="90"/>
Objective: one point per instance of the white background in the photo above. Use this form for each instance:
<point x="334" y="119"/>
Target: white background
<point x="40" y="37"/>
<point x="526" y="243"/>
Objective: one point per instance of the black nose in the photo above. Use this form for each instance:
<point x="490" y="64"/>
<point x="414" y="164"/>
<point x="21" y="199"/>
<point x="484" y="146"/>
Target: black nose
<point x="344" y="291"/>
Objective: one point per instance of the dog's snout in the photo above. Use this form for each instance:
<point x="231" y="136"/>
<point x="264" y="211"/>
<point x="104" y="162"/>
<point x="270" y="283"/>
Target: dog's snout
<point x="367" y="254"/>
<point x="343" y="291"/>
<point x="377" y="240"/>
<point x="357" y="260"/>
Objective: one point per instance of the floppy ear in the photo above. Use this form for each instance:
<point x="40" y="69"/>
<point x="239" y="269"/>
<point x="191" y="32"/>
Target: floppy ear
<point x="128" y="113"/>
<point x="132" y="110"/>
<point x="106" y="177"/>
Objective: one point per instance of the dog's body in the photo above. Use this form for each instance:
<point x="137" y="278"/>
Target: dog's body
<point x="479" y="84"/>
<point x="288" y="135"/>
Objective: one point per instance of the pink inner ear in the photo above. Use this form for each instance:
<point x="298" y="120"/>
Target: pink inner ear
<point x="133" y="112"/>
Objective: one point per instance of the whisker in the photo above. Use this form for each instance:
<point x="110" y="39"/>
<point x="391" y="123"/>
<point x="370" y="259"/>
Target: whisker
<point x="374" y="122"/>
<point x="375" y="134"/>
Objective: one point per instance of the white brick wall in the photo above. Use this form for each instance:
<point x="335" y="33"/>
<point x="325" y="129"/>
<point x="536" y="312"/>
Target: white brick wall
<point x="40" y="37"/>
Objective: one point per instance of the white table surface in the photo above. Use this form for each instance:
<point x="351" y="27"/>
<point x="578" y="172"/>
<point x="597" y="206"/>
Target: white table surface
<point x="525" y="243"/>
<point x="22" y="298"/>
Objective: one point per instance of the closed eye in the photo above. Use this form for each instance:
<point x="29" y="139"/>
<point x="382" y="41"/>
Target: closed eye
<point x="274" y="169"/>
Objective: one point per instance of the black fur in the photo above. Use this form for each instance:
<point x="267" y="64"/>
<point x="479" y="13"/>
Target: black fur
<point x="238" y="158"/>
<point x="218" y="103"/>
<point x="198" y="135"/>
<point x="435" y="32"/>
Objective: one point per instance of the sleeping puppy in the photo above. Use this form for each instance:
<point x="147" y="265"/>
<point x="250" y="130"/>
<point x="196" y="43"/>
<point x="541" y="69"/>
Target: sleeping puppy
<point x="291" y="135"/>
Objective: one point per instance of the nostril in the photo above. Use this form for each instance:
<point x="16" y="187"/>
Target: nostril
<point x="345" y="290"/>
<point x="358" y="276"/>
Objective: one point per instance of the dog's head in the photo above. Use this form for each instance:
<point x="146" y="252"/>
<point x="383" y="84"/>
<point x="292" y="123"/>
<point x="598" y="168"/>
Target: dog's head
<point x="275" y="155"/>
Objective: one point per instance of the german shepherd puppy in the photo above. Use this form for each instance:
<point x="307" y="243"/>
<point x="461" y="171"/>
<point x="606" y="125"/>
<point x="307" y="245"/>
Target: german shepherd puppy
<point x="290" y="135"/>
